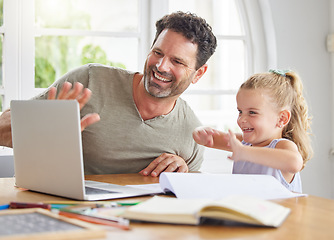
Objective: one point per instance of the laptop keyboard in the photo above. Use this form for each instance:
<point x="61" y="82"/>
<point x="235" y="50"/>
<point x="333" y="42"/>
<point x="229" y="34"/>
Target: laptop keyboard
<point x="90" y="190"/>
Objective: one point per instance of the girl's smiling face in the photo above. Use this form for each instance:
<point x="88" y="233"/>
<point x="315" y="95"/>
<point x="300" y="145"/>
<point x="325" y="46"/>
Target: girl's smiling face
<point x="258" y="117"/>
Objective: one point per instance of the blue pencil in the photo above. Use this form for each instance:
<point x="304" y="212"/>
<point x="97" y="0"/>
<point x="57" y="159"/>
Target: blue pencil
<point x="2" y="207"/>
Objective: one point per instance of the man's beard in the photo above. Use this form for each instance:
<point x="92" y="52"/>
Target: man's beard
<point x="155" y="89"/>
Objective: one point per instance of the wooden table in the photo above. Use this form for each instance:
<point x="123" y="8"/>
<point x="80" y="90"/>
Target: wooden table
<point x="311" y="217"/>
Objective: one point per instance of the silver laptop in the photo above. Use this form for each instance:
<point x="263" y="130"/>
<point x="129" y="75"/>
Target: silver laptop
<point x="48" y="152"/>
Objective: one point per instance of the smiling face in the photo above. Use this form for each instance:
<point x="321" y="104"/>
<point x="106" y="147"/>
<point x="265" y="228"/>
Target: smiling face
<point x="170" y="65"/>
<point x="258" y="118"/>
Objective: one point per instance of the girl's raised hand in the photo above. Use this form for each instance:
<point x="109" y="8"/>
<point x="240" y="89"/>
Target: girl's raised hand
<point x="204" y="136"/>
<point x="235" y="146"/>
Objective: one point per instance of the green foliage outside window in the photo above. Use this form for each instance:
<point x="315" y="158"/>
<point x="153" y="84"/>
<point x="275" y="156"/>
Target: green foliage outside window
<point x="56" y="55"/>
<point x="45" y="71"/>
<point x="95" y="54"/>
<point x="45" y="74"/>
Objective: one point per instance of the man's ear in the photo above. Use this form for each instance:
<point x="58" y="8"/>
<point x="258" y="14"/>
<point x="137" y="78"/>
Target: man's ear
<point x="199" y="73"/>
<point x="284" y="118"/>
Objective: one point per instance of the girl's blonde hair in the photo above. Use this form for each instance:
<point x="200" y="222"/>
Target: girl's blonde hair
<point x="286" y="89"/>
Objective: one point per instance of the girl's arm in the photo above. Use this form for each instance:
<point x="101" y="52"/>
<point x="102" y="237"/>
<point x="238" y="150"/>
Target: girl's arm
<point x="284" y="157"/>
<point x="212" y="138"/>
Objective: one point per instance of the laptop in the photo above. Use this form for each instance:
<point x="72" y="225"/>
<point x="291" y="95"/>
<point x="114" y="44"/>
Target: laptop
<point x="48" y="158"/>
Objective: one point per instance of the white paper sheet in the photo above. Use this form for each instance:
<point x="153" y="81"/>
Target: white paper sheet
<point x="217" y="186"/>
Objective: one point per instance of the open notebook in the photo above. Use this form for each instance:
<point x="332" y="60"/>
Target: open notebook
<point x="48" y="152"/>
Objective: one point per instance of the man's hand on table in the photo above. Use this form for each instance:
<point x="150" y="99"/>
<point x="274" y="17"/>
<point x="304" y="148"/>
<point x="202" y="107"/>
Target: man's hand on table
<point x="166" y="162"/>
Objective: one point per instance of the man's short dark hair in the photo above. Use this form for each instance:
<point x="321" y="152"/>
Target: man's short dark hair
<point x="194" y="28"/>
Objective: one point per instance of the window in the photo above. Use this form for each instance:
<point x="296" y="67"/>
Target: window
<point x="213" y="97"/>
<point x="47" y="38"/>
<point x="70" y="33"/>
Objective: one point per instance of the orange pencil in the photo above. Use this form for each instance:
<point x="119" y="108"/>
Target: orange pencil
<point x="94" y="220"/>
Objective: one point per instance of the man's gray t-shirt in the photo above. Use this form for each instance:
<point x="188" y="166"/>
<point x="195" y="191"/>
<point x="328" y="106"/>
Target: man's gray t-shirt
<point x="122" y="142"/>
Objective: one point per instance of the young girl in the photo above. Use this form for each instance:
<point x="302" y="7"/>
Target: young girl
<point x="273" y="117"/>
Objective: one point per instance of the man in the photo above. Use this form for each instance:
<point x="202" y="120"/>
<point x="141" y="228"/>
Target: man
<point x="140" y="123"/>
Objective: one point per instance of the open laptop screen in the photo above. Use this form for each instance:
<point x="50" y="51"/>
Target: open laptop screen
<point x="47" y="146"/>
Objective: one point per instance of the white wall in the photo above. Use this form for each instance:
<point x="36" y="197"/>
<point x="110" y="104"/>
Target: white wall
<point x="301" y="28"/>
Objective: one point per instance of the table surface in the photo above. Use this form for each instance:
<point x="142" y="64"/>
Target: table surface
<point x="311" y="217"/>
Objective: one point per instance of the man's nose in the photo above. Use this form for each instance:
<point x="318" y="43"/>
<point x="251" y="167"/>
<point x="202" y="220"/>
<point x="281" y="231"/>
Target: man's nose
<point x="163" y="65"/>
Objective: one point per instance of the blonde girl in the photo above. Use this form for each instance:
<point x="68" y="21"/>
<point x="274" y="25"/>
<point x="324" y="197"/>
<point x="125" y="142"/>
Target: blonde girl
<point x="273" y="117"/>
